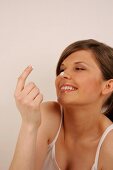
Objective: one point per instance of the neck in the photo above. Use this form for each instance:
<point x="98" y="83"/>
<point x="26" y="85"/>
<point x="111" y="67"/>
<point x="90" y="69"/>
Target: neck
<point x="82" y="122"/>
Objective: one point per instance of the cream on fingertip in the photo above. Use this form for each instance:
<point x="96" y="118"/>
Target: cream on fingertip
<point x="30" y="66"/>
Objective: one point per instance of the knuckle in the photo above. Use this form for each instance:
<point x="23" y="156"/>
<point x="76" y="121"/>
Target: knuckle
<point x="20" y="78"/>
<point x="37" y="90"/>
<point x="19" y="99"/>
<point x="32" y="84"/>
<point x="17" y="96"/>
<point x="40" y="98"/>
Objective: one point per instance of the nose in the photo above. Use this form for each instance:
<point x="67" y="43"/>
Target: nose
<point x="65" y="75"/>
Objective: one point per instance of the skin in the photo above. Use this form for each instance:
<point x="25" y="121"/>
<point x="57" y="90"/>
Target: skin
<point x="83" y="122"/>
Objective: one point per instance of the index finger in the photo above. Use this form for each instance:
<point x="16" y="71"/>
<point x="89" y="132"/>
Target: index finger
<point x="22" y="78"/>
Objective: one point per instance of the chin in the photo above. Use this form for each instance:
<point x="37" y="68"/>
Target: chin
<point x="65" y="101"/>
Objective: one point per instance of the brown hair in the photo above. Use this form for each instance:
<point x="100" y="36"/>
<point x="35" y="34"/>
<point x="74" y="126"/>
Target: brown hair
<point x="104" y="56"/>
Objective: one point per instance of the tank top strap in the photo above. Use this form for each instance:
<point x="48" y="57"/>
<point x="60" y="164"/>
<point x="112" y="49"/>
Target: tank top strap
<point x="109" y="128"/>
<point x="55" y="139"/>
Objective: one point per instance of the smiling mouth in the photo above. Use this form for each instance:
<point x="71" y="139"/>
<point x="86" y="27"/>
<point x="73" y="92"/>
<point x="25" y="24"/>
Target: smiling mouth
<point x="67" y="88"/>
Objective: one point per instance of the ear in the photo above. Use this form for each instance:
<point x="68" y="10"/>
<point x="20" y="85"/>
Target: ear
<point x="108" y="87"/>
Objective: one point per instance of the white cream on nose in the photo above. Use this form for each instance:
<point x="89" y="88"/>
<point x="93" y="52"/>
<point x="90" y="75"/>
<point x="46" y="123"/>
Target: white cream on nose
<point x="62" y="73"/>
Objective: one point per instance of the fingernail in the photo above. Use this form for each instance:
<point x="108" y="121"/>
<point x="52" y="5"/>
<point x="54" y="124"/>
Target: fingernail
<point x="30" y="66"/>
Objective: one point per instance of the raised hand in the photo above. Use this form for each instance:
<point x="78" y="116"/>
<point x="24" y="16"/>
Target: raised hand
<point x="28" y="99"/>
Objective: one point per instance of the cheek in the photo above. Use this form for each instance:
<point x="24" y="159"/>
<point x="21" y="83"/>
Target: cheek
<point x="57" y="81"/>
<point x="92" y="86"/>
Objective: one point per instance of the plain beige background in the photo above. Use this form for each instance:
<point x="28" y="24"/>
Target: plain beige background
<point x="35" y="32"/>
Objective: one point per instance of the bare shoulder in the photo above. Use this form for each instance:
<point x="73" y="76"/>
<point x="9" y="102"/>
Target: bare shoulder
<point x="49" y="107"/>
<point x="106" y="154"/>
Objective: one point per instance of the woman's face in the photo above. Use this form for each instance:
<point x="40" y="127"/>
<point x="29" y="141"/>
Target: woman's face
<point x="81" y="82"/>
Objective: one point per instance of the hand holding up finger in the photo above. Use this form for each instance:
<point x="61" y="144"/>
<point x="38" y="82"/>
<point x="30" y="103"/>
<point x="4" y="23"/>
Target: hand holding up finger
<point x="28" y="99"/>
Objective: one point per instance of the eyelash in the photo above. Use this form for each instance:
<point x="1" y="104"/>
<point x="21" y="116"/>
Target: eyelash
<point x="76" y="68"/>
<point x="61" y="70"/>
<point x="79" y="68"/>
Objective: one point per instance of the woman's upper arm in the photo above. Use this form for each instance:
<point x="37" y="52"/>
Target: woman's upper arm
<point x="49" y="114"/>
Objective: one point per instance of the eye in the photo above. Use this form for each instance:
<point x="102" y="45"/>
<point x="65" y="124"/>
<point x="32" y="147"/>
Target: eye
<point x="61" y="70"/>
<point x="79" y="68"/>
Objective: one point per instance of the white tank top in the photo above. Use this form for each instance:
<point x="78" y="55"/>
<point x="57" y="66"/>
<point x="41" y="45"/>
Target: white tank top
<point x="50" y="162"/>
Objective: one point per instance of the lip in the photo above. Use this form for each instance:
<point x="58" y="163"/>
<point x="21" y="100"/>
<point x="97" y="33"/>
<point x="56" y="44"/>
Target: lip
<point x="70" y="88"/>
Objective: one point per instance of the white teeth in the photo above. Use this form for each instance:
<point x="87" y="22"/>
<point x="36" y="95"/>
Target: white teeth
<point x="67" y="88"/>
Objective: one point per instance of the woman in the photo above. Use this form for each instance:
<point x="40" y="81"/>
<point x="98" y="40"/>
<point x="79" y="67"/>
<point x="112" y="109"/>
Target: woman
<point x="76" y="132"/>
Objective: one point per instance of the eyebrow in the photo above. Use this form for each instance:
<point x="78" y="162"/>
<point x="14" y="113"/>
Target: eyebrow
<point x="79" y="62"/>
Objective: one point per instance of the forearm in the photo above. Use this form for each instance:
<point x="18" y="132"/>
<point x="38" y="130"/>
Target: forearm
<point x="25" y="152"/>
<point x="28" y="99"/>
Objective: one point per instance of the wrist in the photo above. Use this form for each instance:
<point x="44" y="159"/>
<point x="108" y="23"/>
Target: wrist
<point x="29" y="126"/>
